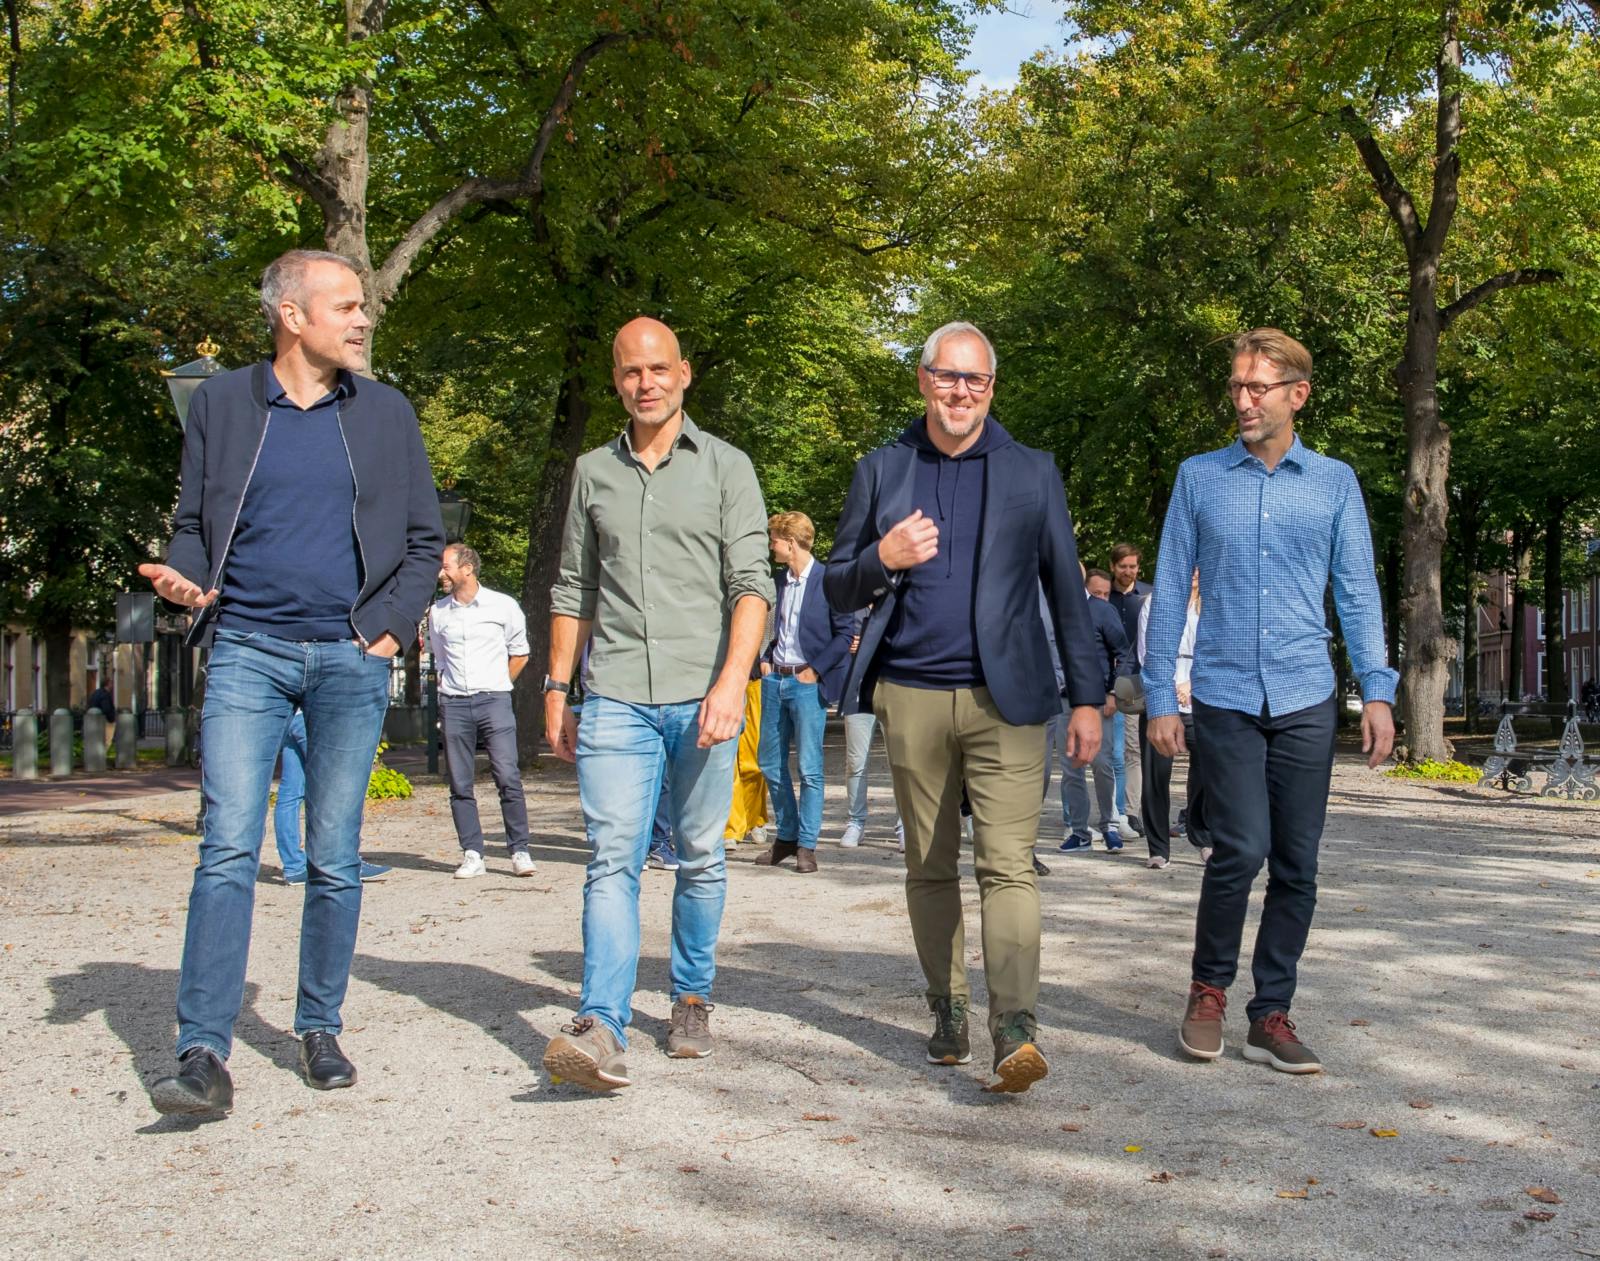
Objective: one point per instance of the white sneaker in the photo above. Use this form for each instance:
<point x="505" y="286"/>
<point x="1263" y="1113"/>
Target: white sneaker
<point x="471" y="865"/>
<point x="522" y="864"/>
<point x="900" y="836"/>
<point x="966" y="829"/>
<point x="1155" y="862"/>
<point x="756" y="836"/>
<point x="851" y="837"/>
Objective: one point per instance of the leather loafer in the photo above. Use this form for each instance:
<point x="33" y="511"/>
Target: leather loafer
<point x="324" y="1064"/>
<point x="202" y="1085"/>
<point x="780" y="851"/>
<point x="805" y="860"/>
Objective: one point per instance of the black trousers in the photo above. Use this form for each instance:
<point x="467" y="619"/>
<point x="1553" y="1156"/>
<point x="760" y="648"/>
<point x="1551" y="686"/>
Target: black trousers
<point x="1155" y="799"/>
<point x="1266" y="783"/>
<point x="466" y="720"/>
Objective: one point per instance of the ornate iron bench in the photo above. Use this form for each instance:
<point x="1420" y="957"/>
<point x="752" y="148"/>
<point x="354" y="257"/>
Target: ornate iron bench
<point x="1566" y="772"/>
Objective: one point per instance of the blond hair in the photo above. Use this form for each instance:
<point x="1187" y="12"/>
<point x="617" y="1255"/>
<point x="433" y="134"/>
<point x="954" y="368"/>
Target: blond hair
<point x="793" y="526"/>
<point x="1276" y="346"/>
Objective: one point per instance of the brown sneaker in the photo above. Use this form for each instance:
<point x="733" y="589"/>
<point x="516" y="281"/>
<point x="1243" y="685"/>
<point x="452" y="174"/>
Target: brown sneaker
<point x="1271" y="1041"/>
<point x="805" y="861"/>
<point x="690" y="1035"/>
<point x="587" y="1054"/>
<point x="1200" y="1035"/>
<point x="780" y="850"/>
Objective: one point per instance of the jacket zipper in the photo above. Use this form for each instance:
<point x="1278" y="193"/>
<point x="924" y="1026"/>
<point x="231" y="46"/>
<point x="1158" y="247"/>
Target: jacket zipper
<point x="233" y="528"/>
<point x="355" y="525"/>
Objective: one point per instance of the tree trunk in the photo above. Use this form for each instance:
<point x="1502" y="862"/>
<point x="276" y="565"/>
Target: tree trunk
<point x="546" y="516"/>
<point x="1467" y="531"/>
<point x="1555" y="639"/>
<point x="57" y="667"/>
<point x="1392" y="573"/>
<point x="1522" y="556"/>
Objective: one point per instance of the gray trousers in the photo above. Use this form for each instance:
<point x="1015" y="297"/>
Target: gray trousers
<point x="483" y="716"/>
<point x="1075" y="786"/>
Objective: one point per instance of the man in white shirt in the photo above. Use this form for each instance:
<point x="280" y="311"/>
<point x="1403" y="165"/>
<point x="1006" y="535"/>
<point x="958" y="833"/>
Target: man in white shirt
<point x="1157" y="771"/>
<point x="479" y="642"/>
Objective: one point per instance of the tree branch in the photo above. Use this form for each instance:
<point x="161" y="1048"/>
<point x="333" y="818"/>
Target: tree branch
<point x="1446" y="134"/>
<point x="1505" y="280"/>
<point x="1391" y="191"/>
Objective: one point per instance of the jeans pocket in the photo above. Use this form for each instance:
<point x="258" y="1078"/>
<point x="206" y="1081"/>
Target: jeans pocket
<point x="226" y="635"/>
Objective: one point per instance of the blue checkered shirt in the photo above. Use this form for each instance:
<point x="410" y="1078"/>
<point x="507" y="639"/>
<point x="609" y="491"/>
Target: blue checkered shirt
<point x="1266" y="543"/>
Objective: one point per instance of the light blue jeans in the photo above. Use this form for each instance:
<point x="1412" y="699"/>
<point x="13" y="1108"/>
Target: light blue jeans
<point x="793" y="713"/>
<point x="624" y="751"/>
<point x="291" y="792"/>
<point x="253" y="685"/>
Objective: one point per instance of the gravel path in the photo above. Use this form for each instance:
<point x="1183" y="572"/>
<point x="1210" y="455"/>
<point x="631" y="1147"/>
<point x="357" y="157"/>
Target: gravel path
<point x="1451" y="987"/>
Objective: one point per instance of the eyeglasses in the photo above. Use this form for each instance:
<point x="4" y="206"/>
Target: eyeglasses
<point x="946" y="378"/>
<point x="1258" y="389"/>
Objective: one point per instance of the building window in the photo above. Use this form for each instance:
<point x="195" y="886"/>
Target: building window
<point x="1538" y="675"/>
<point x="1588" y="667"/>
<point x="1586" y="603"/>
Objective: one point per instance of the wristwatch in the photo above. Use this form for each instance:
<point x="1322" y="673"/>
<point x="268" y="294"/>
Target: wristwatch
<point x="551" y="685"/>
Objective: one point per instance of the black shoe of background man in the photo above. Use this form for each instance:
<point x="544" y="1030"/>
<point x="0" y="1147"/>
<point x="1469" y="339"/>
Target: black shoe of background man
<point x="201" y="1086"/>
<point x="324" y="1064"/>
<point x="1039" y="869"/>
<point x="1135" y="826"/>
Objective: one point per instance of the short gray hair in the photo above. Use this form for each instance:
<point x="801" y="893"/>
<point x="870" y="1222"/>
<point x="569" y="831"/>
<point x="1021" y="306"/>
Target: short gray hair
<point x="930" y="348"/>
<point x="285" y="278"/>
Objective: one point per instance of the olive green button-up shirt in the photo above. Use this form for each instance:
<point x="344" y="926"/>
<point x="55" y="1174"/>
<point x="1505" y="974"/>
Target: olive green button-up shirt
<point x="657" y="560"/>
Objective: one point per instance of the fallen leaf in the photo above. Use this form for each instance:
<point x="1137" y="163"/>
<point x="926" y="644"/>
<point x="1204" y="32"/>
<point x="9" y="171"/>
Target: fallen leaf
<point x="727" y="1157"/>
<point x="1299" y="1194"/>
<point x="1458" y="1160"/>
<point x="1216" y="1252"/>
<point x="1163" y="1176"/>
<point x="1421" y="1104"/>
<point x="842" y="1139"/>
<point x="1311" y="1182"/>
<point x="492" y="1200"/>
<point x="1133" y="1147"/>
<point x="1543" y="1194"/>
<point x="1377" y="1133"/>
<point x="819" y="1116"/>
<point x="688" y="1168"/>
<point x="1358" y="908"/>
<point x="1539" y="1215"/>
<point x="1013" y="1228"/>
<point x="1071" y="1127"/>
<point x="1359" y="1024"/>
<point x="1349" y="1125"/>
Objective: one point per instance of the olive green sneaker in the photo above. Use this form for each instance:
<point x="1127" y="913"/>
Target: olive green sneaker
<point x="1018" y="1062"/>
<point x="587" y="1054"/>
<point x="950" y="1043"/>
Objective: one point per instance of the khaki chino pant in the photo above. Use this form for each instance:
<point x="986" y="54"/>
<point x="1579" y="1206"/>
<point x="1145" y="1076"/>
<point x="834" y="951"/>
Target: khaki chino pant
<point x="936" y="739"/>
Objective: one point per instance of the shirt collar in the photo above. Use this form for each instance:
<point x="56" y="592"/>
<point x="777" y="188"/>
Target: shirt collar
<point x="1239" y="454"/>
<point x="277" y="396"/>
<point x="804" y="573"/>
<point x="688" y="435"/>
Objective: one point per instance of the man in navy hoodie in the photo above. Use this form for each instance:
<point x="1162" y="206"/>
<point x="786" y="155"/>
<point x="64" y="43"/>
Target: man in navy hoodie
<point x="307" y="540"/>
<point x="949" y="533"/>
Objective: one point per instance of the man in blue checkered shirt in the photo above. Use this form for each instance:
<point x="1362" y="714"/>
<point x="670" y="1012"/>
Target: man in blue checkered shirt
<point x="1268" y="523"/>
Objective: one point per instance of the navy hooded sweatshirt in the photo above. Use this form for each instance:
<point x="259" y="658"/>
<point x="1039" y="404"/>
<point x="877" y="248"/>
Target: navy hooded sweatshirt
<point x="932" y="639"/>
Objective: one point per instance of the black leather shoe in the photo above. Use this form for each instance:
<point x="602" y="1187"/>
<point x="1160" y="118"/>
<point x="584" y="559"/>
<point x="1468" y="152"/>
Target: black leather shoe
<point x="202" y="1085"/>
<point x="324" y="1063"/>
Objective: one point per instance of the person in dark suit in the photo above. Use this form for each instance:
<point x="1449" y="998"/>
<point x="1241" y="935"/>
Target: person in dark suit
<point x="949" y="532"/>
<point x="802" y="674"/>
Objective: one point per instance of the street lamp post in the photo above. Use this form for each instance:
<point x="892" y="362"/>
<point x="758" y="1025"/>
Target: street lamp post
<point x="185" y="380"/>
<point x="456" y="514"/>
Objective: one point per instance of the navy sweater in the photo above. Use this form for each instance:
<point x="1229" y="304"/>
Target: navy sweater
<point x="294" y="571"/>
<point x="932" y="640"/>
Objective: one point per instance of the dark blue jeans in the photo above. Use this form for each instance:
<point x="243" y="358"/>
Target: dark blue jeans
<point x="1266" y="780"/>
<point x="253" y="686"/>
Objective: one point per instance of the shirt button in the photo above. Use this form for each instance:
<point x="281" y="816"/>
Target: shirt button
<point x="1265" y="515"/>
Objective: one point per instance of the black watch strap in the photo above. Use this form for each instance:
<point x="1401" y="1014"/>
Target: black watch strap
<point x="551" y="685"/>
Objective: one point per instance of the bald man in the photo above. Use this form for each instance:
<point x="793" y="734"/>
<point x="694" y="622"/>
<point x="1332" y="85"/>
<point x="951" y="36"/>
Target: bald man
<point x="664" y="567"/>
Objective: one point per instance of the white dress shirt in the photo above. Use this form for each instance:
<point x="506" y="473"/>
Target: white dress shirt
<point x="1185" y="665"/>
<point x="471" y="643"/>
<point x="786" y="652"/>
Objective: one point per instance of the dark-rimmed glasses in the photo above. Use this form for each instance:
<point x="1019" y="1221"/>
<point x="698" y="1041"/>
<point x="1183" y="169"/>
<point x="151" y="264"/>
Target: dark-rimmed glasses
<point x="946" y="378"/>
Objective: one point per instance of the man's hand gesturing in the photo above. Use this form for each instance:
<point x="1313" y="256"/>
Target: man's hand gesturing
<point x="909" y="543"/>
<point x="173" y="586"/>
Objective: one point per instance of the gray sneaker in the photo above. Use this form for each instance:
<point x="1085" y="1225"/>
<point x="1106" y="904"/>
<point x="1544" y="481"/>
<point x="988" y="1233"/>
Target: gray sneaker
<point x="1272" y="1040"/>
<point x="690" y="1035"/>
<point x="950" y="1043"/>
<point x="1017" y="1061"/>
<point x="587" y="1054"/>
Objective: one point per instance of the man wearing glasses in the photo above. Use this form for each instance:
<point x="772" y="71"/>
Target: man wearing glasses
<point x="1267" y="523"/>
<point x="948" y="533"/>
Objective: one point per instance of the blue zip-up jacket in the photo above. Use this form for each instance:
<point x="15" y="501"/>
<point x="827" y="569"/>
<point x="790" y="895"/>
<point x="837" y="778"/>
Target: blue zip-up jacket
<point x="399" y="534"/>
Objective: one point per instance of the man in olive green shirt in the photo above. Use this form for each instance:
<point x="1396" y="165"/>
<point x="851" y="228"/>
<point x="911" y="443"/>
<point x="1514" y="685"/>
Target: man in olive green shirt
<point x="664" y="571"/>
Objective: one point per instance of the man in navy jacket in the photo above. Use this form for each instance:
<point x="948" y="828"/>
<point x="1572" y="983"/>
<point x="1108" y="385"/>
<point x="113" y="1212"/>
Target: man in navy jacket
<point x="949" y="533"/>
<point x="802" y="674"/>
<point x="307" y="540"/>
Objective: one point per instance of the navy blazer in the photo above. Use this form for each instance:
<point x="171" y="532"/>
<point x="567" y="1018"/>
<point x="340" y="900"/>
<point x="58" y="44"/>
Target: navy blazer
<point x="824" y="635"/>
<point x="1027" y="540"/>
